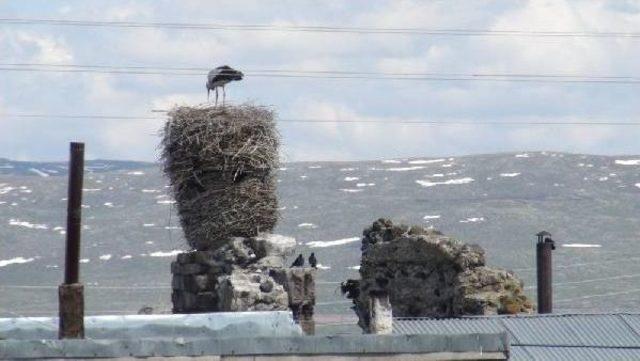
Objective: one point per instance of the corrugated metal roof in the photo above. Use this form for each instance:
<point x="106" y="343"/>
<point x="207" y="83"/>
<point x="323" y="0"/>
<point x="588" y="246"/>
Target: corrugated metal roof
<point x="633" y="320"/>
<point x="545" y="353"/>
<point x="572" y="330"/>
<point x="546" y="337"/>
<point x="446" y="326"/>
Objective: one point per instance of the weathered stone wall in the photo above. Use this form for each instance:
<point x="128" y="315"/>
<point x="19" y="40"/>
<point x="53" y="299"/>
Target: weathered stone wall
<point x="300" y="285"/>
<point x="426" y="273"/>
<point x="238" y="276"/>
<point x="246" y="274"/>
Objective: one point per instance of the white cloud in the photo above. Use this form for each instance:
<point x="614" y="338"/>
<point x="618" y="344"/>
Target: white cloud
<point x="40" y="48"/>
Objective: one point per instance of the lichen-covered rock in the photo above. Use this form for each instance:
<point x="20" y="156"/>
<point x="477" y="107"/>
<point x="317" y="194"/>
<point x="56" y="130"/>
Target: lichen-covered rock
<point x="239" y="276"/>
<point x="426" y="273"/>
<point x="242" y="291"/>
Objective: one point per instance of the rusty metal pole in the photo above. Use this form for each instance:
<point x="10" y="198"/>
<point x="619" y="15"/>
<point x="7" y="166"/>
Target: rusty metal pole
<point x="544" y="272"/>
<point x="71" y="292"/>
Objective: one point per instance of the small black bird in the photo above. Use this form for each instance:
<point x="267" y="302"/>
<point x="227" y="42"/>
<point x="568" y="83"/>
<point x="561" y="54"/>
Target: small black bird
<point x="219" y="77"/>
<point x="313" y="261"/>
<point x="299" y="262"/>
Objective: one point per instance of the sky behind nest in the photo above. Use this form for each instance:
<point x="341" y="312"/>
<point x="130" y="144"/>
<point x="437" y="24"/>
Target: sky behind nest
<point x="362" y="102"/>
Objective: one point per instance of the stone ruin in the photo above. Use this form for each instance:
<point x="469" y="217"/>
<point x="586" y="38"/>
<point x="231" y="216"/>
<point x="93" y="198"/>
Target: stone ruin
<point x="238" y="276"/>
<point x="221" y="163"/>
<point x="246" y="274"/>
<point x="427" y="274"/>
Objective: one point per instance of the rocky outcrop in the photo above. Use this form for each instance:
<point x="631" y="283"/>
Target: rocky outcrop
<point x="426" y="273"/>
<point x="239" y="276"/>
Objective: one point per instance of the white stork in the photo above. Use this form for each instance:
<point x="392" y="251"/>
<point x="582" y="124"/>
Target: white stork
<point x="219" y="77"/>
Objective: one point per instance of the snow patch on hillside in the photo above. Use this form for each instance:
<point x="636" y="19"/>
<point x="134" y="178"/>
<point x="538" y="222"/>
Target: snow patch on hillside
<point x="16" y="260"/>
<point x="465" y="180"/>
<point x="628" y="161"/>
<point x="337" y="242"/>
<point x="509" y="175"/>
<point x="171" y="253"/>
<point x="38" y="172"/>
<point x="581" y="245"/>
<point x="19" y="223"/>
<point x="365" y="184"/>
<point x="472" y="220"/>
<point x="426" y="161"/>
<point x="307" y="225"/>
<point x="404" y="169"/>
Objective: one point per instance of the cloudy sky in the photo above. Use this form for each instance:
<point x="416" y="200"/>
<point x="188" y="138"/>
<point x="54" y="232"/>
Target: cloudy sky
<point x="371" y="100"/>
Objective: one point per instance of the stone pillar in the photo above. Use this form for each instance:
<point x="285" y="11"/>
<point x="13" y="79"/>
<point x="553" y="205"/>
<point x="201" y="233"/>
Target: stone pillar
<point x="300" y="284"/>
<point x="380" y="317"/>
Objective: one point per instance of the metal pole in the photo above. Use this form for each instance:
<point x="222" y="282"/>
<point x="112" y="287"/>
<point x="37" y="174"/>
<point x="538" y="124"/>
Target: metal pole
<point x="74" y="213"/>
<point x="544" y="272"/>
<point x="71" y="292"/>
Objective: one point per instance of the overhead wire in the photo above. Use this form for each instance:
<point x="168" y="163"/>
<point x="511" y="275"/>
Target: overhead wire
<point x="319" y="28"/>
<point x="338" y="121"/>
<point x="199" y="70"/>
<point x="326" y="74"/>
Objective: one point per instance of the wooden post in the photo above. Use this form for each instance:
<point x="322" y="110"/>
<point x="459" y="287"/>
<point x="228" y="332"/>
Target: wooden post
<point x="71" y="292"/>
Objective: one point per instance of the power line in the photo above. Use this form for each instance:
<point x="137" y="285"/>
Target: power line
<point x="596" y="295"/>
<point x="200" y="70"/>
<point x="324" y="75"/>
<point x="36" y="287"/>
<point x="318" y="29"/>
<point x="79" y="116"/>
<point x="590" y="280"/>
<point x="334" y="121"/>
<point x="572" y="265"/>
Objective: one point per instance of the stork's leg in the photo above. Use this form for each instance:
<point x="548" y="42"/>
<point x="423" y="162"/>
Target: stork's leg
<point x="208" y="91"/>
<point x="224" y="94"/>
<point x="216" y="96"/>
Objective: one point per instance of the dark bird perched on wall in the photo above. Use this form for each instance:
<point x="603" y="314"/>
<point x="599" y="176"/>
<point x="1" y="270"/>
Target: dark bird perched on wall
<point x="299" y="262"/>
<point x="219" y="77"/>
<point x="313" y="261"/>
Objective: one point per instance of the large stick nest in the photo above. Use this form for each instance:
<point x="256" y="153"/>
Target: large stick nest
<point x="221" y="162"/>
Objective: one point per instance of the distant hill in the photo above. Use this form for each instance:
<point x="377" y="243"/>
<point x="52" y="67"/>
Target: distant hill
<point x="590" y="203"/>
<point x="45" y="169"/>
